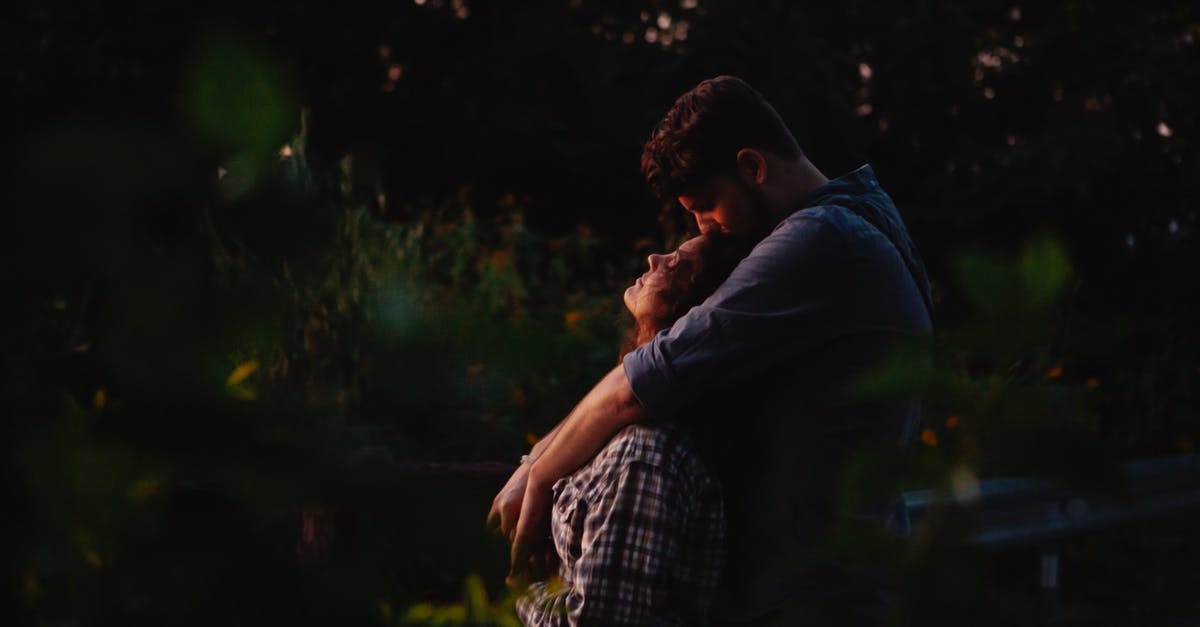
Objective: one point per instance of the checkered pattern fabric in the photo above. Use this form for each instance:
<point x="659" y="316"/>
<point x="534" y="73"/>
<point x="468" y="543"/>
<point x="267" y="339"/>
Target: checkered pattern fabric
<point x="640" y="532"/>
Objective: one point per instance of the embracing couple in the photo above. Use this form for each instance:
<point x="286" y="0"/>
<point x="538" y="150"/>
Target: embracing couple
<point x="685" y="486"/>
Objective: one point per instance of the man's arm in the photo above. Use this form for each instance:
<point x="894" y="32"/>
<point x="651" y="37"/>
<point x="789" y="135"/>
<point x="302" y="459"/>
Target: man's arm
<point x="794" y="291"/>
<point x="581" y="444"/>
<point x="755" y="314"/>
<point x="506" y="506"/>
<point x="821" y="276"/>
<point x="609" y="406"/>
<point x="602" y="412"/>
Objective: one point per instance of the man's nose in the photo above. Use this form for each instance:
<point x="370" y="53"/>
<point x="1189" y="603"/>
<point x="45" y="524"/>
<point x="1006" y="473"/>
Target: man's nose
<point x="706" y="224"/>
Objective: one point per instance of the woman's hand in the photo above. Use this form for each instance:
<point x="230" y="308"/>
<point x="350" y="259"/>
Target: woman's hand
<point x="506" y="507"/>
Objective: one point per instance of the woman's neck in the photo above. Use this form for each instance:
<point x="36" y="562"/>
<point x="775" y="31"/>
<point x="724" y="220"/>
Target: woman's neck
<point x="639" y="333"/>
<point x="644" y="336"/>
<point x="646" y="332"/>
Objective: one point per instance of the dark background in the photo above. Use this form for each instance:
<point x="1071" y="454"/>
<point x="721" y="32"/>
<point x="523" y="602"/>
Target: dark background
<point x="207" y="336"/>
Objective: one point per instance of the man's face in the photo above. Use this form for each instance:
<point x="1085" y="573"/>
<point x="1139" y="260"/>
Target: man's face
<point x="730" y="206"/>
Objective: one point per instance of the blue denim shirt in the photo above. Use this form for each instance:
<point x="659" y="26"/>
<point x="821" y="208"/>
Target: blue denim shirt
<point x="817" y="303"/>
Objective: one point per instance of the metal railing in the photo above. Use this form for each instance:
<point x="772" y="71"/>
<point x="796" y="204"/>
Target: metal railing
<point x="1017" y="511"/>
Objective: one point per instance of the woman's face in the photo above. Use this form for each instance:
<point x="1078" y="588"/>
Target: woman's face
<point x="654" y="295"/>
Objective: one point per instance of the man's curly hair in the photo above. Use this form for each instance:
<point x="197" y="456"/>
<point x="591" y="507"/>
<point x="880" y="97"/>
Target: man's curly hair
<point x="700" y="136"/>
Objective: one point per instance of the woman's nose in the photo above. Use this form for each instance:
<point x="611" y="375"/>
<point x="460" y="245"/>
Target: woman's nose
<point x="655" y="260"/>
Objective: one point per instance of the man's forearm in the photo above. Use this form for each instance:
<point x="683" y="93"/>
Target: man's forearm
<point x="603" y="411"/>
<point x="541" y="444"/>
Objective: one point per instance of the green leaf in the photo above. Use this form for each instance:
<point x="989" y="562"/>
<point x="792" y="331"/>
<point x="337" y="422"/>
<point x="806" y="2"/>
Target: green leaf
<point x="1044" y="271"/>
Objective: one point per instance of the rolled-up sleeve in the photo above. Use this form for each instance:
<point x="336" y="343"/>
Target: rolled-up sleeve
<point x="783" y="298"/>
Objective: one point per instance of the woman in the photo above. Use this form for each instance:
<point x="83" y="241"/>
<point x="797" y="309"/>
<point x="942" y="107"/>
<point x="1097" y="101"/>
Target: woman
<point x="639" y="530"/>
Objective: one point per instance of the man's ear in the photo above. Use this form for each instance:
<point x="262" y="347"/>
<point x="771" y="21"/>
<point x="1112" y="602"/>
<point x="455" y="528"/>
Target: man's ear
<point x="752" y="166"/>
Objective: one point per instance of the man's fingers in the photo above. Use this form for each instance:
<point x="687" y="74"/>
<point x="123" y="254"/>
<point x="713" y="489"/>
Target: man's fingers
<point x="493" y="517"/>
<point x="517" y="580"/>
<point x="503" y="517"/>
<point x="519" y="558"/>
<point x="527" y="538"/>
<point x="532" y="526"/>
<point x="524" y="541"/>
<point x="508" y="519"/>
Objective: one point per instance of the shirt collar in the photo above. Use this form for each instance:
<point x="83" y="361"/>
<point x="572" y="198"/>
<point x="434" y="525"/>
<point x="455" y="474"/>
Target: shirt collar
<point x="861" y="179"/>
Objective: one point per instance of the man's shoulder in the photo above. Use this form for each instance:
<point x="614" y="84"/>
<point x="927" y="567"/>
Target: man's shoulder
<point x="826" y="220"/>
<point x="819" y="230"/>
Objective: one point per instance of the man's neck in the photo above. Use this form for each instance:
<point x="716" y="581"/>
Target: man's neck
<point x="801" y="179"/>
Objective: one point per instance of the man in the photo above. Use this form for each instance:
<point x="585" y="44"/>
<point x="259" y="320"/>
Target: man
<point x="832" y="285"/>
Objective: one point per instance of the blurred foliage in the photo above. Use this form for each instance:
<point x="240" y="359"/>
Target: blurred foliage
<point x="224" y="316"/>
<point x="181" y="400"/>
<point x="998" y="402"/>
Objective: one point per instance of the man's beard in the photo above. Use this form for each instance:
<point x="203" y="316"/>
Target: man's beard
<point x="761" y="218"/>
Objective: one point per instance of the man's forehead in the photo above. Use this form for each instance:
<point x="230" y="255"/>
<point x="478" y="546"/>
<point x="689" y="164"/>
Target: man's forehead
<point x="700" y="193"/>
<point x="706" y="190"/>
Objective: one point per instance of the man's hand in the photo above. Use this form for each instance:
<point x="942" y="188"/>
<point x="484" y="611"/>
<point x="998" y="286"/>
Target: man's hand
<point x="529" y="543"/>
<point x="506" y="507"/>
<point x="603" y="411"/>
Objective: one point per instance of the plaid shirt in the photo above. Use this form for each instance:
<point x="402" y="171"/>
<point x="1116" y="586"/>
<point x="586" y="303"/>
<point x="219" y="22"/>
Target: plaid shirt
<point x="640" y="532"/>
